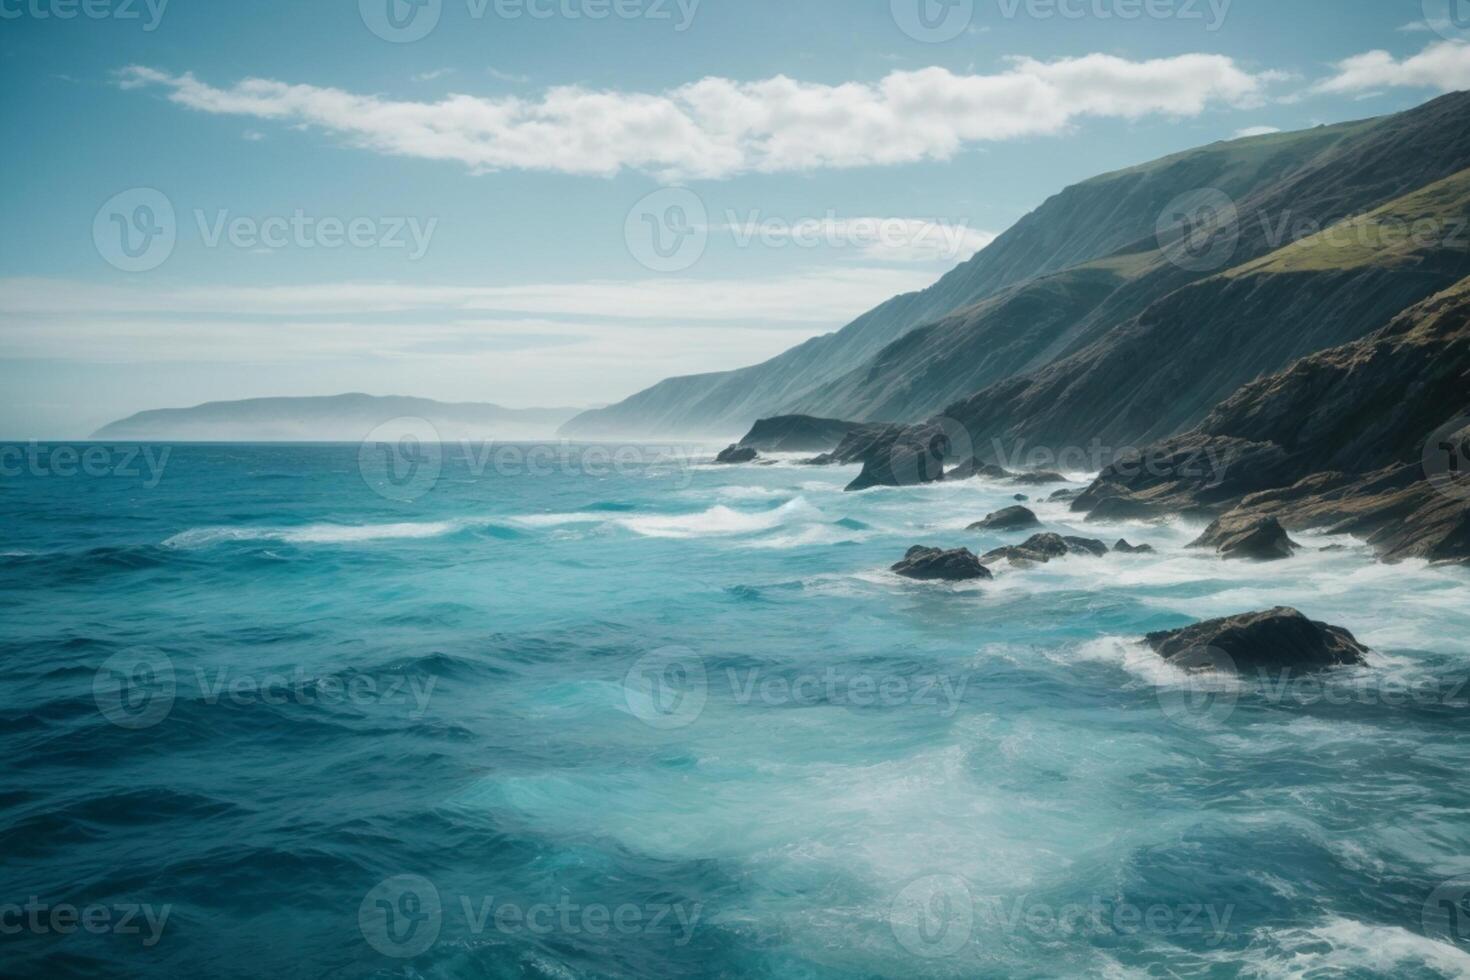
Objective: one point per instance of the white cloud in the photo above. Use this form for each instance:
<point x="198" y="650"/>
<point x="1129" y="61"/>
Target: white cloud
<point x="506" y="76"/>
<point x="1256" y="131"/>
<point x="429" y="76"/>
<point x="1444" y="65"/>
<point x="535" y="344"/>
<point x="717" y="127"/>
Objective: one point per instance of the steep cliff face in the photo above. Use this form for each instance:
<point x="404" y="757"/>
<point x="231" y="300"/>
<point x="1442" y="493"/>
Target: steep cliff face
<point x="1370" y="438"/>
<point x="1072" y="344"/>
<point x="1162" y="372"/>
<point x="1092" y="220"/>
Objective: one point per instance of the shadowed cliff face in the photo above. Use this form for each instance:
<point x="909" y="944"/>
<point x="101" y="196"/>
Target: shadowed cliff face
<point x="1369" y="438"/>
<point x="1098" y="218"/>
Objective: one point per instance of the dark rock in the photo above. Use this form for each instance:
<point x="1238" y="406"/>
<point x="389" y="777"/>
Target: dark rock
<point x="905" y="458"/>
<point x="975" y="469"/>
<point x="737" y="454"/>
<point x="1120" y="509"/>
<point x="1042" y="548"/>
<point x="1010" y="519"/>
<point x="1248" y="538"/>
<point x="1022" y="498"/>
<point x="1343" y="440"/>
<point x="936" y="565"/>
<point x="1278" y="639"/>
<point x="797" y="434"/>
<point x="1038" y="479"/>
<point x="1061" y="495"/>
<point x="1123" y="547"/>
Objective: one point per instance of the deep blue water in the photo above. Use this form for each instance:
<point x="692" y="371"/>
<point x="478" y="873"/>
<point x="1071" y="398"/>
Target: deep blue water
<point x="266" y="715"/>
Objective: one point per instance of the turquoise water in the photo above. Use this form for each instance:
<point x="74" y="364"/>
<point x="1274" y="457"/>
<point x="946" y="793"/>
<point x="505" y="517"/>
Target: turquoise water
<point x="663" y="720"/>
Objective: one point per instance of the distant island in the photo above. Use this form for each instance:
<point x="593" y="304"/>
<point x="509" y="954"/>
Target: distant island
<point x="336" y="418"/>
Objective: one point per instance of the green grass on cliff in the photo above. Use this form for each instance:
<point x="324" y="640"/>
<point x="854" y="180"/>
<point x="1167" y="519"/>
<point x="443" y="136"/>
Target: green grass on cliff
<point x="1434" y="218"/>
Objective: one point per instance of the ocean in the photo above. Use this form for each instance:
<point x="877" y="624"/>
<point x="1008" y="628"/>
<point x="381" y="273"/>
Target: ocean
<point x="571" y="712"/>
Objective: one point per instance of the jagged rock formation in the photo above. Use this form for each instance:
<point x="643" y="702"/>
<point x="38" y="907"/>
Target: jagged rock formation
<point x="735" y="455"/>
<point x="937" y="565"/>
<point x="797" y="434"/>
<point x="1248" y="538"/>
<point x="1350" y="440"/>
<point x="1010" y="519"/>
<point x="1042" y="548"/>
<point x="1279" y="639"/>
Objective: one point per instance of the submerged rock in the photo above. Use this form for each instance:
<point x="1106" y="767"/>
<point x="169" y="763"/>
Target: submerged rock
<point x="1022" y="498"/>
<point x="1280" y="638"/>
<point x="737" y="454"/>
<point x="974" y="469"/>
<point x="1123" y="547"/>
<point x="1042" y="548"/>
<point x="1248" y="538"/>
<point x="937" y="565"/>
<point x="1038" y="479"/>
<point x="1061" y="495"/>
<point x="1010" y="519"/>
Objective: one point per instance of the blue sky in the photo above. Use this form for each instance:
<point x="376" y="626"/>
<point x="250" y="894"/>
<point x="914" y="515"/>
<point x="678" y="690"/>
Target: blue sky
<point x="462" y="215"/>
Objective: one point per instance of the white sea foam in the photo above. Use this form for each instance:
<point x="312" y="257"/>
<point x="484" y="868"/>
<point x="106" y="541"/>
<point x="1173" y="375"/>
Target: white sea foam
<point x="204" y="537"/>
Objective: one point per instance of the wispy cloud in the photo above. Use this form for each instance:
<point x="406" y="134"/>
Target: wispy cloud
<point x="717" y="127"/>
<point x="506" y="76"/>
<point x="1256" y="131"/>
<point x="1444" y="65"/>
<point x="429" y="76"/>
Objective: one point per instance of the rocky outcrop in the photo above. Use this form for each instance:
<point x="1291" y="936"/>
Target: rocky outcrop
<point x="937" y="565"/>
<point x="1064" y="495"/>
<point x="1010" y="519"/>
<point x="1038" y="479"/>
<point x="1351" y="440"/>
<point x="737" y="454"/>
<point x="1279" y="639"/>
<point x="972" y="469"/>
<point x="1249" y="538"/>
<point x="1043" y="548"/>
<point x="1124" y="548"/>
<point x="797" y="434"/>
<point x="898" y="457"/>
